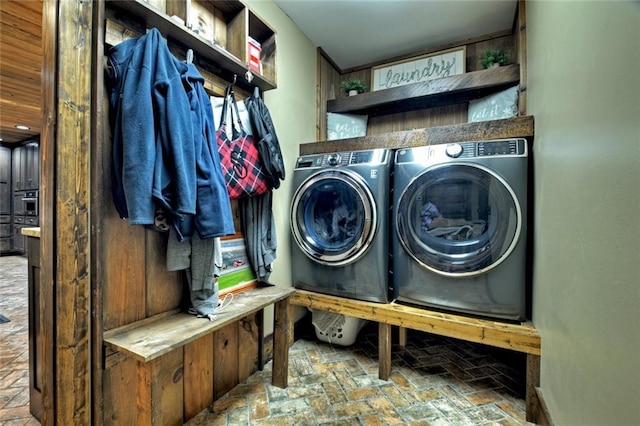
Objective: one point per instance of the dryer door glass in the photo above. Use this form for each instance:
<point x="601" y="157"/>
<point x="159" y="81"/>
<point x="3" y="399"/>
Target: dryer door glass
<point x="333" y="217"/>
<point x="458" y="219"/>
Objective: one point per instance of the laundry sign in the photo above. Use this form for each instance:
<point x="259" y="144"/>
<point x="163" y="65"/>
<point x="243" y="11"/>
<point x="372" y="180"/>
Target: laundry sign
<point x="422" y="68"/>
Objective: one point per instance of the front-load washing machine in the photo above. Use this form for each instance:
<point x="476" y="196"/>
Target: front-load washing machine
<point x="460" y="226"/>
<point x="340" y="224"/>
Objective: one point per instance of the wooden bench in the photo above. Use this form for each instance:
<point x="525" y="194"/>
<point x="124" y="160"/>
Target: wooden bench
<point x="152" y="340"/>
<point x="517" y="337"/>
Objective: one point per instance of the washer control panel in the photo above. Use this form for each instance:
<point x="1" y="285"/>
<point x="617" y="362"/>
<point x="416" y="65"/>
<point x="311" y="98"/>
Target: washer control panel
<point x="503" y="147"/>
<point x="348" y="158"/>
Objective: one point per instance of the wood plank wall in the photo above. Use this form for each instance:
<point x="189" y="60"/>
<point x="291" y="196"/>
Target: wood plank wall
<point x="330" y="77"/>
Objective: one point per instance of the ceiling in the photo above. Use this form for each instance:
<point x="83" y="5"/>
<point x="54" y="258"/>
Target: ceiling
<point x="20" y="69"/>
<point x="351" y="32"/>
<point x="359" y="32"/>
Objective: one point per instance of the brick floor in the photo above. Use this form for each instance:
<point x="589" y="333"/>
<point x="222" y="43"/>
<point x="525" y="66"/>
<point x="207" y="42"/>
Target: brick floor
<point x="434" y="380"/>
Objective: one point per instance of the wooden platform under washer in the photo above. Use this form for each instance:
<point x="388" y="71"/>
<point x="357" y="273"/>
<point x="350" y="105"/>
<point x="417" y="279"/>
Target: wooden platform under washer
<point x="517" y="337"/>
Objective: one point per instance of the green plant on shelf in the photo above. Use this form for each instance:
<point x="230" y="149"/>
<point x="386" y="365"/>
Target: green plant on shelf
<point x="353" y="84"/>
<point x="494" y="56"/>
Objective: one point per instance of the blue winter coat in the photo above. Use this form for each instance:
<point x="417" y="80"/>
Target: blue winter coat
<point x="153" y="152"/>
<point x="159" y="135"/>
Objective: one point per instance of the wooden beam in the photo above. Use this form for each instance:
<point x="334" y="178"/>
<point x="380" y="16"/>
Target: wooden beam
<point x="47" y="198"/>
<point x="484" y="130"/>
<point x="71" y="216"/>
<point x="516" y="337"/>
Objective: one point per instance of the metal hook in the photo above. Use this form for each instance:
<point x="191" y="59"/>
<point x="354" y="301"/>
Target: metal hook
<point x="235" y="78"/>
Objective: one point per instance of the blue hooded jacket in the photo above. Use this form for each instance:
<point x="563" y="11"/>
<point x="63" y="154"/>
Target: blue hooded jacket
<point x="214" y="217"/>
<point x="158" y="135"/>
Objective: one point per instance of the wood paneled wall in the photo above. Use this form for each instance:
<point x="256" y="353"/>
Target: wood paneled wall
<point x="330" y="77"/>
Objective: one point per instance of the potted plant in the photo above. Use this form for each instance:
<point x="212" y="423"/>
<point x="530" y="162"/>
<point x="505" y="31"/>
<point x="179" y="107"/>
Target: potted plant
<point x="353" y="87"/>
<point x="494" y="58"/>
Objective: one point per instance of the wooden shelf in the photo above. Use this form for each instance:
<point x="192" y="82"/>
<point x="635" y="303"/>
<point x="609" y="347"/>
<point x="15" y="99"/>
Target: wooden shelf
<point x="153" y="337"/>
<point x="219" y="57"/>
<point x="516" y="337"/>
<point x="518" y="127"/>
<point x="433" y="93"/>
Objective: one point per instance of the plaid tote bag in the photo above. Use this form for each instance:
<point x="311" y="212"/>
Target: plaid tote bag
<point x="239" y="156"/>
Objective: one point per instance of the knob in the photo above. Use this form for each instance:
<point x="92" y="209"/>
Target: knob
<point x="334" y="159"/>
<point x="454" y="150"/>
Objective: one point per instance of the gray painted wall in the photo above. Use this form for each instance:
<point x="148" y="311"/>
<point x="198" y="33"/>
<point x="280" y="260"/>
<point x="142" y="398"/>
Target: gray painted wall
<point x="584" y="92"/>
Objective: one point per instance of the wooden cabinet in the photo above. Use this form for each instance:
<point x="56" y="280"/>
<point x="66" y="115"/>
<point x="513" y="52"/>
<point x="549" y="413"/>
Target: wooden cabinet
<point x="5" y="199"/>
<point x="25" y="176"/>
<point x="18" y="168"/>
<point x="32" y="167"/>
<point x="218" y="32"/>
<point x="40" y="330"/>
<point x="6" y="240"/>
<point x="25" y="167"/>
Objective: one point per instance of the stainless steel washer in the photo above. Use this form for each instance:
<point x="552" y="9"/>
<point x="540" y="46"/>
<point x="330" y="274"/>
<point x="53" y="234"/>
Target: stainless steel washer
<point x="460" y="226"/>
<point x="339" y="224"/>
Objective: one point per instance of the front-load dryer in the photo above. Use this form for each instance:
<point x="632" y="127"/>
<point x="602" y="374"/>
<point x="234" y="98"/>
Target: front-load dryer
<point x="460" y="226"/>
<point x="340" y="224"/>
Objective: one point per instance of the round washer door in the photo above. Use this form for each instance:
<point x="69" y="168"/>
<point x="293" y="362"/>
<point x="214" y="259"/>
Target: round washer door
<point x="333" y="217"/>
<point x="458" y="219"/>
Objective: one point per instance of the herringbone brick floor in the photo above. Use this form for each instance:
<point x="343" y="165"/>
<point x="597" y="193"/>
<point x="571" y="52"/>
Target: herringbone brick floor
<point x="434" y="380"/>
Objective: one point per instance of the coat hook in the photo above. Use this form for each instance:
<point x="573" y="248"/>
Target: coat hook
<point x="235" y="77"/>
<point x="248" y="75"/>
<point x="190" y="56"/>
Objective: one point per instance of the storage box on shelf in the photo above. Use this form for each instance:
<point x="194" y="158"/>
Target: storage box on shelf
<point x="216" y="31"/>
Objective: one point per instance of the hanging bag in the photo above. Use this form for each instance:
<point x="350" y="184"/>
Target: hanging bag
<point x="265" y="133"/>
<point x="239" y="156"/>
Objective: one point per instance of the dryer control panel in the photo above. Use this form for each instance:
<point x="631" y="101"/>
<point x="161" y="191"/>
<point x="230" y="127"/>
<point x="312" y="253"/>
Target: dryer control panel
<point x="486" y="148"/>
<point x="336" y="159"/>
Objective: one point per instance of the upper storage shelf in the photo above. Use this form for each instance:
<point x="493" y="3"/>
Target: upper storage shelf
<point x="218" y="32"/>
<point x="427" y="94"/>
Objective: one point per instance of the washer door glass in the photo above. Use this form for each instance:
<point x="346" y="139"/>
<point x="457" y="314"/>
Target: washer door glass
<point x="333" y="217"/>
<point x="458" y="219"/>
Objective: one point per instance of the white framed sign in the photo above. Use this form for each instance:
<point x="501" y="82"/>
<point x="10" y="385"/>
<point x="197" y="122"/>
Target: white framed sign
<point x="421" y="68"/>
<point x="343" y="126"/>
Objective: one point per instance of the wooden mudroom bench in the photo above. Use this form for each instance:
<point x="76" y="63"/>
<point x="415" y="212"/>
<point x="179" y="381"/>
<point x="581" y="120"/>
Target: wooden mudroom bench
<point x="152" y="343"/>
<point x="517" y="337"/>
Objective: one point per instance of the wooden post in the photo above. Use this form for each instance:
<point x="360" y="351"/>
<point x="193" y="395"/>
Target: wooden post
<point x="384" y="350"/>
<point x="67" y="76"/>
<point x="533" y="381"/>
<point x="402" y="336"/>
<point x="281" y="327"/>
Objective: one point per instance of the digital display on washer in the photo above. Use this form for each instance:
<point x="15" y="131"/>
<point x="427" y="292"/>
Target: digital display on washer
<point x="507" y="147"/>
<point x="362" y="157"/>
